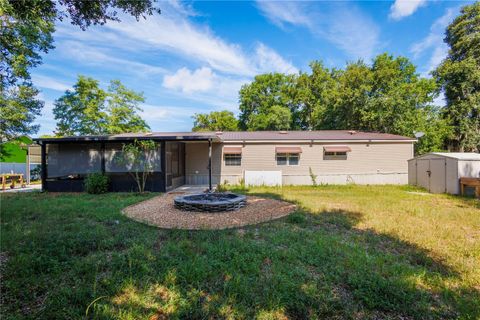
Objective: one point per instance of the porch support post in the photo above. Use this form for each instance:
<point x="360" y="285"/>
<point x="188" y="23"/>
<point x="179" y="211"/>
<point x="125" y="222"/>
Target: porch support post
<point x="102" y="157"/>
<point x="27" y="172"/>
<point x="163" y="165"/>
<point x="210" y="165"/>
<point x="44" y="166"/>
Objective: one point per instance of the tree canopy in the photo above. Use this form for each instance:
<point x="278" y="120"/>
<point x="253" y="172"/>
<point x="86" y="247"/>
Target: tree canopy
<point x="26" y="31"/>
<point x="459" y="78"/>
<point x="215" y="121"/>
<point x="90" y="110"/>
<point x="386" y="96"/>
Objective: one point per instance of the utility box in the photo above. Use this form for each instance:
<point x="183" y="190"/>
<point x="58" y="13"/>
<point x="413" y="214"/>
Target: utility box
<point x="440" y="172"/>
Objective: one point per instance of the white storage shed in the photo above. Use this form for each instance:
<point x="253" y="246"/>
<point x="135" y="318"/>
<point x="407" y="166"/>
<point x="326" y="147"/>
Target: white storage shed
<point x="440" y="172"/>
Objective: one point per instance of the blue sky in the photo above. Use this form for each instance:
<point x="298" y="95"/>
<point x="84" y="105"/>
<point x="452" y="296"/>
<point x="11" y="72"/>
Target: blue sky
<point x="195" y="56"/>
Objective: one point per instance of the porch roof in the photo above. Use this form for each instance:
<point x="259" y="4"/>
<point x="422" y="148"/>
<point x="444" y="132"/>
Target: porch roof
<point x="169" y="136"/>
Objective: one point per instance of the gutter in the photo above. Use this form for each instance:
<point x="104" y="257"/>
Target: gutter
<point x="319" y="141"/>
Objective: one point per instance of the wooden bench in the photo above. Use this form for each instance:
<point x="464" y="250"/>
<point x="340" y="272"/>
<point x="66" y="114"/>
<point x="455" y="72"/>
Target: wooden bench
<point x="470" y="182"/>
<point x="12" y="176"/>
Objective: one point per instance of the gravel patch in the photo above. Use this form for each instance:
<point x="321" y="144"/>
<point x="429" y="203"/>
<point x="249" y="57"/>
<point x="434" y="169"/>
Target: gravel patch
<point x="160" y="212"/>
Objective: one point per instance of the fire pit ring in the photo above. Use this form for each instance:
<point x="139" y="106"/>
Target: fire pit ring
<point x="210" y="202"/>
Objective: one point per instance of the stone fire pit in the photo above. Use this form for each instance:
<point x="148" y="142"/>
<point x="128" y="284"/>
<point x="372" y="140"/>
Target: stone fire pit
<point x="210" y="202"/>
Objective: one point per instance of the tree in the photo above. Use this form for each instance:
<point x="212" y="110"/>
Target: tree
<point x="277" y="118"/>
<point x="18" y="109"/>
<point x="139" y="158"/>
<point x="122" y="109"/>
<point x="315" y="94"/>
<point x="26" y="29"/>
<point x="386" y="96"/>
<point x="266" y="91"/>
<point x="459" y="77"/>
<point x="89" y="110"/>
<point x="22" y="38"/>
<point x="215" y="121"/>
<point x="81" y="111"/>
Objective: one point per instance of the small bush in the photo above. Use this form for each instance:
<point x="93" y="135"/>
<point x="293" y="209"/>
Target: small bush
<point x="313" y="176"/>
<point x="96" y="183"/>
<point x="222" y="187"/>
<point x="296" y="218"/>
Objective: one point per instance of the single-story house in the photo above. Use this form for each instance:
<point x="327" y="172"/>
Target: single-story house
<point x="197" y="158"/>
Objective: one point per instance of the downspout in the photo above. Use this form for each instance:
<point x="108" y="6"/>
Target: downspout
<point x="44" y="165"/>
<point x="210" y="165"/>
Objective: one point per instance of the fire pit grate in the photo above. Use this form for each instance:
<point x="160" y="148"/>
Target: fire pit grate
<point x="210" y="202"/>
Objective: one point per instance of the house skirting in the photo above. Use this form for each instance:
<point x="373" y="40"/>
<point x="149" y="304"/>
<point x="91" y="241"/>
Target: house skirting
<point x="357" y="178"/>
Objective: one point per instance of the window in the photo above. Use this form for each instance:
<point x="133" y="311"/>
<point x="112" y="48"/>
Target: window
<point x="290" y="159"/>
<point x="234" y="159"/>
<point x="337" y="155"/>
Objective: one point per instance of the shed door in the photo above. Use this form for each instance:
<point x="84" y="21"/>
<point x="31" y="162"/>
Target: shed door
<point x="438" y="176"/>
<point x="423" y="177"/>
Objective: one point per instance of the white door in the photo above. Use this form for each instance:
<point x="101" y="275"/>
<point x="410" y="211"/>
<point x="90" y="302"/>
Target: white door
<point x="423" y="173"/>
<point x="438" y="176"/>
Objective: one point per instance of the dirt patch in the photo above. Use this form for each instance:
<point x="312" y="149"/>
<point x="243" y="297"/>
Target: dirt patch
<point x="160" y="211"/>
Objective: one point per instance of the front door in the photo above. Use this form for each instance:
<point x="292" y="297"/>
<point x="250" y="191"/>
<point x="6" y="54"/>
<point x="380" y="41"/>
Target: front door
<point x="174" y="165"/>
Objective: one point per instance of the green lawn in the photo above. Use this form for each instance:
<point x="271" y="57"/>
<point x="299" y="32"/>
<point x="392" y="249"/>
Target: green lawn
<point x="350" y="252"/>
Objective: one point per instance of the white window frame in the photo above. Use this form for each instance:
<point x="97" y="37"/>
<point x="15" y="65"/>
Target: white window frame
<point x="234" y="156"/>
<point x="288" y="156"/>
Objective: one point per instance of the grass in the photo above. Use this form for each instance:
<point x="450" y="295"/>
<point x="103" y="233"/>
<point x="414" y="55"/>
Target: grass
<point x="349" y="252"/>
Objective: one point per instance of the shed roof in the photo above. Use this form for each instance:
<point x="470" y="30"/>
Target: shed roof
<point x="454" y="155"/>
<point x="333" y="135"/>
<point x="459" y="155"/>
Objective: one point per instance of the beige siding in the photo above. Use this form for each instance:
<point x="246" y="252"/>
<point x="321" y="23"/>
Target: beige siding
<point x="366" y="163"/>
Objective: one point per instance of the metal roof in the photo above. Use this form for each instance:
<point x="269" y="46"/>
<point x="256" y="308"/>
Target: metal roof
<point x="468" y="156"/>
<point x="459" y="155"/>
<point x="334" y="135"/>
<point x="311" y="135"/>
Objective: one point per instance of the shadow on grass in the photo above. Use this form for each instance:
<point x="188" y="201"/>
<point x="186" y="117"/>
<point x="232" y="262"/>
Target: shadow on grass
<point x="304" y="266"/>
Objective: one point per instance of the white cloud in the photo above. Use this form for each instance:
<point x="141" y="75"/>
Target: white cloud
<point x="206" y="86"/>
<point x="188" y="81"/>
<point x="433" y="42"/>
<point x="196" y="43"/>
<point x="269" y="60"/>
<point x="281" y="13"/>
<point x="404" y="8"/>
<point x="172" y="33"/>
<point x="343" y="25"/>
<point x="46" y="82"/>
<point x="96" y="56"/>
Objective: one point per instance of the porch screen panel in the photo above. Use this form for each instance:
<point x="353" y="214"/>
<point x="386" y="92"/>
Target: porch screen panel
<point x="175" y="159"/>
<point x="114" y="160"/>
<point x="73" y="160"/>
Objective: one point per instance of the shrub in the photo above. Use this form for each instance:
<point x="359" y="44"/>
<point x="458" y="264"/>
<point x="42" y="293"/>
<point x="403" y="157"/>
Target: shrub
<point x="222" y="187"/>
<point x="313" y="176"/>
<point x="96" y="183"/>
<point x="296" y="218"/>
